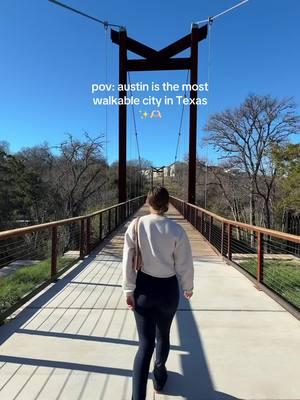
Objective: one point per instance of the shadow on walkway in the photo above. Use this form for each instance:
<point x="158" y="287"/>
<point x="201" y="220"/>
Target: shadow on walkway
<point x="196" y="382"/>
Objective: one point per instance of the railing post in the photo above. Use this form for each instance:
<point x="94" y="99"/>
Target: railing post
<point x="116" y="216"/>
<point x="229" y="242"/>
<point x="195" y="217"/>
<point x="210" y="228"/>
<point x="201" y="222"/>
<point x="82" y="239"/>
<point x="109" y="220"/>
<point x="260" y="257"/>
<point x="88" y="235"/>
<point x="54" y="252"/>
<point x="222" y="238"/>
<point x="100" y="226"/>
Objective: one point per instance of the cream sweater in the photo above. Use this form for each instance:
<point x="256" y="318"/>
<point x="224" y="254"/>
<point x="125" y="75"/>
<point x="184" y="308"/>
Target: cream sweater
<point x="165" y="250"/>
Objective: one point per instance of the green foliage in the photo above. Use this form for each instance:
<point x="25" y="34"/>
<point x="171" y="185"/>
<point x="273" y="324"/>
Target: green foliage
<point x="37" y="186"/>
<point x="11" y="174"/>
<point x="283" y="276"/>
<point x="19" y="283"/>
<point x="287" y="159"/>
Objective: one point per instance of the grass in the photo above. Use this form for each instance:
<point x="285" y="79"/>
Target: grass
<point x="16" y="285"/>
<point x="283" y="276"/>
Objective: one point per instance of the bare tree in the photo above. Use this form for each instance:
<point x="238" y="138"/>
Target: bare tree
<point x="230" y="183"/>
<point x="245" y="135"/>
<point x="81" y="172"/>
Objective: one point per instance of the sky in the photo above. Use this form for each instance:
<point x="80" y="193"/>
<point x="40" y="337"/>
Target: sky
<point x="50" y="57"/>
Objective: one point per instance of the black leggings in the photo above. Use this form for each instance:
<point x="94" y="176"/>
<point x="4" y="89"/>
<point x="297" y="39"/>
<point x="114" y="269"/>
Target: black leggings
<point x="156" y="302"/>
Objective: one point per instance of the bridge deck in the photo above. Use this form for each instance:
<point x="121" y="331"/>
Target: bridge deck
<point x="77" y="339"/>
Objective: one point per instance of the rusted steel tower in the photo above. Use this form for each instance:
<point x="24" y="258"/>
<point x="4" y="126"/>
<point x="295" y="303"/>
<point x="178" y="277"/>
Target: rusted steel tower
<point x="157" y="61"/>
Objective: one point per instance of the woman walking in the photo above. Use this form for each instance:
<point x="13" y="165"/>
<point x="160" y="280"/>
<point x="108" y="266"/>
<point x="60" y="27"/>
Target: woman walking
<point x="151" y="288"/>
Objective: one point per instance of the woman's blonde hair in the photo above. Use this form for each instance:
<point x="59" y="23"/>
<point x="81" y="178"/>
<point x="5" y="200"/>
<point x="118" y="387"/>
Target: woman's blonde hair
<point x="158" y="199"/>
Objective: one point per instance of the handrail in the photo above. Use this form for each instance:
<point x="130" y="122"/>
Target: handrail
<point x="253" y="228"/>
<point x="39" y="227"/>
<point x="81" y="238"/>
<point x="269" y="257"/>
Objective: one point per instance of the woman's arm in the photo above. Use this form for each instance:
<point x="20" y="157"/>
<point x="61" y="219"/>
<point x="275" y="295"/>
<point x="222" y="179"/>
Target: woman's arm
<point x="129" y="274"/>
<point x="183" y="262"/>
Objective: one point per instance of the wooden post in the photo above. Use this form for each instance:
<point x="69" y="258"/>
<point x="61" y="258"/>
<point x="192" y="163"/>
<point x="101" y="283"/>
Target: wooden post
<point x="260" y="257"/>
<point x="82" y="239"/>
<point x="109" y="220"/>
<point x="210" y="228"/>
<point x="122" y="115"/>
<point x="100" y="226"/>
<point x="222" y="238"/>
<point x="88" y="235"/>
<point x="193" y="118"/>
<point x="229" y="242"/>
<point x="116" y="217"/>
<point x="54" y="252"/>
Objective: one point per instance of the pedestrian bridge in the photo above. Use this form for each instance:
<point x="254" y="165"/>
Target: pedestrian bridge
<point x="77" y="339"/>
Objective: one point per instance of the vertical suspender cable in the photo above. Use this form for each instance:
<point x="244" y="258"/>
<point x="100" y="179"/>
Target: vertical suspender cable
<point x="180" y="122"/>
<point x="137" y="175"/>
<point x="210" y="21"/>
<point x="106" y="117"/>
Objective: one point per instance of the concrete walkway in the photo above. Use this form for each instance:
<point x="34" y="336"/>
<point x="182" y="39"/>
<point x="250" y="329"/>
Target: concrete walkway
<point x="77" y="339"/>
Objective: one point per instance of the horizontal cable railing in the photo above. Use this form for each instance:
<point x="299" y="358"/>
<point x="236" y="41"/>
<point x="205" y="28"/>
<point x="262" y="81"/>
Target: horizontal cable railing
<point x="271" y="257"/>
<point x="33" y="256"/>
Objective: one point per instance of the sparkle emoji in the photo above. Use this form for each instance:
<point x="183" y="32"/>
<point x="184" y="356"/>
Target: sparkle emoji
<point x="144" y="114"/>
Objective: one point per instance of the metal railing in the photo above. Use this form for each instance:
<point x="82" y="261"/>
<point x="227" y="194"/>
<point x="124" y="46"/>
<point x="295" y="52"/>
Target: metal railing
<point x="271" y="258"/>
<point x="47" y="250"/>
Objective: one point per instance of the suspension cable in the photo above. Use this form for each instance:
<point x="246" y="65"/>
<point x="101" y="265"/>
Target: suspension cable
<point x="181" y="119"/>
<point x="134" y="124"/>
<point x="208" y="107"/>
<point x="105" y="23"/>
<point x="136" y="138"/>
<point x="222" y="13"/>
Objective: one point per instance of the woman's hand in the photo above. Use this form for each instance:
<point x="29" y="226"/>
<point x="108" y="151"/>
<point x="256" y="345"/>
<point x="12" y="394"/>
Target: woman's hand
<point x="188" y="294"/>
<point x="130" y="302"/>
